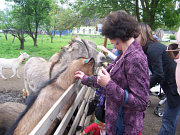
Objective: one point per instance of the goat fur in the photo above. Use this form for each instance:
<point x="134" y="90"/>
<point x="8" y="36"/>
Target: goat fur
<point x="9" y="112"/>
<point x="13" y="64"/>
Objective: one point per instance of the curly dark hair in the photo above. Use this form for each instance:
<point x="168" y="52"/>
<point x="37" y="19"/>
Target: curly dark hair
<point x="120" y="24"/>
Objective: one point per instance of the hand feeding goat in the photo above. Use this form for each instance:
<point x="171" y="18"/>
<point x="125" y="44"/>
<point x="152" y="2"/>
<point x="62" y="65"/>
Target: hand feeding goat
<point x="13" y="63"/>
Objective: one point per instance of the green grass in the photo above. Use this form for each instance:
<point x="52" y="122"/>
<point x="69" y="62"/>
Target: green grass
<point x="44" y="49"/>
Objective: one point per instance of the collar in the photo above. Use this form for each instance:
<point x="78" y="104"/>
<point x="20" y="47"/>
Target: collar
<point x="135" y="45"/>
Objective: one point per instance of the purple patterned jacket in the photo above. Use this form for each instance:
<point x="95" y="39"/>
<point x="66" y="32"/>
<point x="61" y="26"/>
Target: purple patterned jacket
<point x="130" y="72"/>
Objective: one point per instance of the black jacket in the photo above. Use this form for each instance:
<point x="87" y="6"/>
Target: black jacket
<point x="163" y="71"/>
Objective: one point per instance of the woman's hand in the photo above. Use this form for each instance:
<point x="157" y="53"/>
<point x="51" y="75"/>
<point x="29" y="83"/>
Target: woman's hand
<point x="103" y="77"/>
<point x="79" y="75"/>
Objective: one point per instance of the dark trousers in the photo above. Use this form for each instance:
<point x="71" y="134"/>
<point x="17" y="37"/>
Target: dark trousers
<point x="169" y="120"/>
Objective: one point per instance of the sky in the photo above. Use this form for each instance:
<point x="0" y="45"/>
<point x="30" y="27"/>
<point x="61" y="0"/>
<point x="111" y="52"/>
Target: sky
<point x="4" y="4"/>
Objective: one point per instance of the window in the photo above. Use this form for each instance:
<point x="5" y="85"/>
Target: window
<point x="83" y="31"/>
<point x="89" y="31"/>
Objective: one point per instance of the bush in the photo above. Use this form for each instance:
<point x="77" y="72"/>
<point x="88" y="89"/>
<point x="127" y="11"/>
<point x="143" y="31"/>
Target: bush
<point x="172" y="37"/>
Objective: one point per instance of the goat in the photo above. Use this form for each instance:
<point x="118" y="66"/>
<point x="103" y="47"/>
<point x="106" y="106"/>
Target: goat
<point x="41" y="101"/>
<point x="13" y="63"/>
<point x="9" y="112"/>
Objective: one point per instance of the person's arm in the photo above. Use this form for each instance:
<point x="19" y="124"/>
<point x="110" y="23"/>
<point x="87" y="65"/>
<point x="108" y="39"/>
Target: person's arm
<point x="178" y="75"/>
<point x="90" y="81"/>
<point x="109" y="53"/>
<point x="178" y="37"/>
<point x="178" y="63"/>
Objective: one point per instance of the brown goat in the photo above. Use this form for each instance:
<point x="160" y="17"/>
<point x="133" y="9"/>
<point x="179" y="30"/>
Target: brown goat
<point x="49" y="94"/>
<point x="9" y="112"/>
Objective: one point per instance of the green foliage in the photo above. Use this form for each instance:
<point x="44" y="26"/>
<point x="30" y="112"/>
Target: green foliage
<point x="172" y="37"/>
<point x="156" y="13"/>
<point x="67" y="19"/>
<point x="5" y="19"/>
<point x="37" y="11"/>
<point x="17" y="16"/>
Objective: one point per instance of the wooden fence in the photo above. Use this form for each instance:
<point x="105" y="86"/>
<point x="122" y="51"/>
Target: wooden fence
<point x="81" y="101"/>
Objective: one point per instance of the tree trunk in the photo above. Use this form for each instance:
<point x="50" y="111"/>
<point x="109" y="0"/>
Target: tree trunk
<point x="137" y="11"/>
<point x="151" y="19"/>
<point x="13" y="40"/>
<point x="22" y="44"/>
<point x="35" y="41"/>
<point x="51" y="39"/>
<point x="5" y="35"/>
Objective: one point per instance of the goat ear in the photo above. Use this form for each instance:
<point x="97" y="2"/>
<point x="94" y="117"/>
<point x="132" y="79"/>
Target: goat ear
<point x="91" y="61"/>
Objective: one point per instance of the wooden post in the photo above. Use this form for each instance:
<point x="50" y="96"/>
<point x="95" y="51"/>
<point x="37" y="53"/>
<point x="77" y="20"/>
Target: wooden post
<point x="105" y="43"/>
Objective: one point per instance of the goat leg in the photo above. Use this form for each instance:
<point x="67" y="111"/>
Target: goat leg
<point x="14" y="72"/>
<point x="3" y="76"/>
<point x="17" y="73"/>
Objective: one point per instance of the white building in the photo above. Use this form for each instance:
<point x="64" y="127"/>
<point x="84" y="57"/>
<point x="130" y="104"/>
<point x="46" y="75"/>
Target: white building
<point x="88" y="30"/>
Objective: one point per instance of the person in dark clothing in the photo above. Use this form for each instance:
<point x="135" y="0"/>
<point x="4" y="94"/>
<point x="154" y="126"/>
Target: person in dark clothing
<point x="163" y="72"/>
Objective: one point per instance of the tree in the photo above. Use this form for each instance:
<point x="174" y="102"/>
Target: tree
<point x="4" y="21"/>
<point x="35" y="15"/>
<point x="37" y="12"/>
<point x="67" y="20"/>
<point x="51" y="22"/>
<point x="18" y="25"/>
<point x="156" y="13"/>
<point x="14" y="24"/>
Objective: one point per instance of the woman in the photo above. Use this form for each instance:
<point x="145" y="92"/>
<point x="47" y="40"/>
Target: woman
<point x="163" y="72"/>
<point x="125" y="82"/>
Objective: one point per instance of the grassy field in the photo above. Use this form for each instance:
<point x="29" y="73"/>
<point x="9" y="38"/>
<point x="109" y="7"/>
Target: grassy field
<point x="45" y="48"/>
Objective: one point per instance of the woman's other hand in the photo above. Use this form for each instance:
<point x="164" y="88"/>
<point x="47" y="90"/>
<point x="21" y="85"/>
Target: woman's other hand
<point x="103" y="77"/>
<point x="79" y="75"/>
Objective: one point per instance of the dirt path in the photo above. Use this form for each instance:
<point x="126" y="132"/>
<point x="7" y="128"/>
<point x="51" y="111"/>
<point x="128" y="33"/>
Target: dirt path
<point x="12" y="83"/>
<point x="11" y="90"/>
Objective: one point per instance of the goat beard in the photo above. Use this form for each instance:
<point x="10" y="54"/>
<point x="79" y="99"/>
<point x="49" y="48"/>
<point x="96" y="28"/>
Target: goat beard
<point x="23" y="60"/>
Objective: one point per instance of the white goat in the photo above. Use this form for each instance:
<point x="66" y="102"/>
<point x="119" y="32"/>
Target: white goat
<point x="13" y="63"/>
